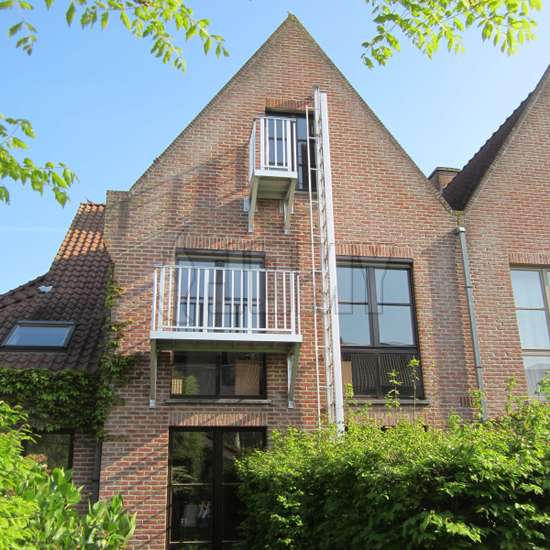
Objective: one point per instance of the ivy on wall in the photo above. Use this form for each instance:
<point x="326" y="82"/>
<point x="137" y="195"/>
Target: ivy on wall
<point x="72" y="399"/>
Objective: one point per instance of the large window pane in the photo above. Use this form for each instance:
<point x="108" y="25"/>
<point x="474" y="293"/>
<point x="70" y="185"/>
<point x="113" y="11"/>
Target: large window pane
<point x="194" y="374"/>
<point x="352" y="284"/>
<point x="232" y="513"/>
<point x="237" y="444"/>
<point x="191" y="457"/>
<point x="52" y="449"/>
<point x="527" y="289"/>
<point x="392" y="286"/>
<point x="241" y="374"/>
<point x="395" y="324"/>
<point x="192" y="513"/>
<point x="535" y="369"/>
<point x="354" y="325"/>
<point x="533" y="329"/>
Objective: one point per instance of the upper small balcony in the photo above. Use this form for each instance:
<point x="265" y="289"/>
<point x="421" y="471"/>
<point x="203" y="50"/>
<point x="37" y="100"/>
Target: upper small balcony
<point x="272" y="164"/>
<point x="222" y="306"/>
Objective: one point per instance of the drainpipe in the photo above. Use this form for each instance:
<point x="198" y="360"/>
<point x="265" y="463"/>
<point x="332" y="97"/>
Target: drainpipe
<point x="461" y="232"/>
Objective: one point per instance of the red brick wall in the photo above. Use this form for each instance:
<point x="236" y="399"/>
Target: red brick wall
<point x="84" y="466"/>
<point x="192" y="197"/>
<point x="508" y="224"/>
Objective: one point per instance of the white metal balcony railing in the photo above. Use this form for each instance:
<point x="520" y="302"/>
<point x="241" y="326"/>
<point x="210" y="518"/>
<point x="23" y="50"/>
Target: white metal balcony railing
<point x="206" y="302"/>
<point x="272" y="147"/>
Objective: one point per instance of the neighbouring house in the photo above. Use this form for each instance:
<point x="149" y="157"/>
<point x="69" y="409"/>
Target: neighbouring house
<point x="229" y="251"/>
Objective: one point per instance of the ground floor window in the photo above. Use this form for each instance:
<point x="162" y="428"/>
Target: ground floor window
<point x="221" y="374"/>
<point x="55" y="449"/>
<point x="204" y="509"/>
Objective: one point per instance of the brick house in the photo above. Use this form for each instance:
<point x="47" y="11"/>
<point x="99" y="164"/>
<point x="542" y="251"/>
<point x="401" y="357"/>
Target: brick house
<point x="224" y="297"/>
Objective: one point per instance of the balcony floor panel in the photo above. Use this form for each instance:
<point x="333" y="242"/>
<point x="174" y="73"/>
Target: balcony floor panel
<point x="208" y="341"/>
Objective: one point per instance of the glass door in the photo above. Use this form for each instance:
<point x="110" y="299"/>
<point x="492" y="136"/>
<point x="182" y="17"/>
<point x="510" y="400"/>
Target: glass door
<point x="204" y="508"/>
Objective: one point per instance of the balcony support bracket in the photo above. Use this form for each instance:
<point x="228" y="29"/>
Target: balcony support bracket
<point x="293" y="360"/>
<point x="288" y="204"/>
<point x="153" y="376"/>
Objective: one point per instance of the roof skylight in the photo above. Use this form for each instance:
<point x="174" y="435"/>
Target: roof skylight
<point x="39" y="334"/>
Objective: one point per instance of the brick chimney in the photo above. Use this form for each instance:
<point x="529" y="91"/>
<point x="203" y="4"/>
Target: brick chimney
<point x="441" y="176"/>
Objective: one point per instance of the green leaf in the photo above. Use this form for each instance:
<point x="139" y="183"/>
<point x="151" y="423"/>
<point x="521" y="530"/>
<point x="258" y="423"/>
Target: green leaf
<point x="69" y="15"/>
<point x="6" y="4"/>
<point x="104" y="19"/>
<point x="125" y="20"/>
<point x="15" y="28"/>
<point x="48" y="3"/>
<point x="191" y="32"/>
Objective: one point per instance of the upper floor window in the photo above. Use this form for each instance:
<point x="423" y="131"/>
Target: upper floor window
<point x="532" y="297"/>
<point x="377" y="328"/>
<point x="39" y="334"/>
<point x="303" y="130"/>
<point x="220" y="293"/>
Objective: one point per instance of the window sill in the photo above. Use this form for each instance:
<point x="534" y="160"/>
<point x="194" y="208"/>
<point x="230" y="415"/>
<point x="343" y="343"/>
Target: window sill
<point x="216" y="401"/>
<point x="363" y="400"/>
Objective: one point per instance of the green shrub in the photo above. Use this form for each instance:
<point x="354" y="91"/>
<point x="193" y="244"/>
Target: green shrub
<point x="472" y="485"/>
<point x="37" y="508"/>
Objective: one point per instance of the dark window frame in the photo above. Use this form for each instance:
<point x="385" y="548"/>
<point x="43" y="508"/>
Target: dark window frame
<point x="68" y="432"/>
<point x="217" y="481"/>
<point x="220" y="362"/>
<point x="376" y="347"/>
<point x="36" y="323"/>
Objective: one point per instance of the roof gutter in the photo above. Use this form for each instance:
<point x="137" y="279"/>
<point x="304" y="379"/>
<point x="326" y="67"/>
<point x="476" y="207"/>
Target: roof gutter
<point x="461" y="232"/>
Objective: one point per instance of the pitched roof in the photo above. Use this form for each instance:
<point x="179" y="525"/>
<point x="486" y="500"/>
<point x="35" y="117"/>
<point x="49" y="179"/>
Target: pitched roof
<point x="291" y="21"/>
<point x="459" y="191"/>
<point x="78" y="276"/>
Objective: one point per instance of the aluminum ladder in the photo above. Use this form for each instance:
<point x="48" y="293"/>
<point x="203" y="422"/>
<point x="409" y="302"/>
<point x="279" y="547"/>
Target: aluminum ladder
<point x="327" y="252"/>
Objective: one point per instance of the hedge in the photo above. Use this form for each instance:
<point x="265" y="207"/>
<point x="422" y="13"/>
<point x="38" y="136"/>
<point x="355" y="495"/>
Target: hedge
<point x="471" y="485"/>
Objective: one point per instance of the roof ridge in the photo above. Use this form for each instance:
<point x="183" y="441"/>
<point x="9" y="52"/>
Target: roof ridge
<point x="462" y="187"/>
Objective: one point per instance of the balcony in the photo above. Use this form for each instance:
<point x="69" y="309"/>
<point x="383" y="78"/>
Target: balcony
<point x="272" y="165"/>
<point x="221" y="305"/>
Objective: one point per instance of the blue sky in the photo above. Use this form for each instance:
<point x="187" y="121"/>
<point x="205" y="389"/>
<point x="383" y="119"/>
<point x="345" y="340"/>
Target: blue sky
<point x="103" y="105"/>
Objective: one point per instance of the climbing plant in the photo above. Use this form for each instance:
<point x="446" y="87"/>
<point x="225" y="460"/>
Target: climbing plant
<point x="72" y="399"/>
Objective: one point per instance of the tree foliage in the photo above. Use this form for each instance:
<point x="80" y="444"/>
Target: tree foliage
<point x="473" y="485"/>
<point x="167" y="24"/>
<point x="38" y="508"/>
<point x="429" y="23"/>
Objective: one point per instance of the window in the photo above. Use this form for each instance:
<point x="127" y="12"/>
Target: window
<point x="531" y="293"/>
<point x="216" y="293"/>
<point x="39" y="334"/>
<point x="205" y="511"/>
<point x="302" y="130"/>
<point x="377" y="328"/>
<point x="53" y="449"/>
<point x="205" y="374"/>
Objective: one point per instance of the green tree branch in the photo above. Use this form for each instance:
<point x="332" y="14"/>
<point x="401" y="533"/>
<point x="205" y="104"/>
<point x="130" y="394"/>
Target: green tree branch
<point x="144" y="19"/>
